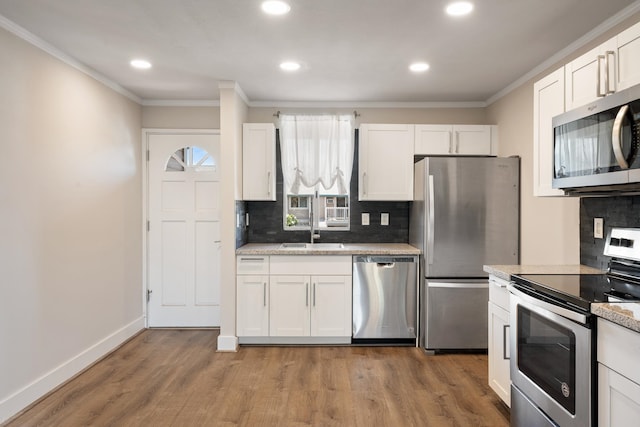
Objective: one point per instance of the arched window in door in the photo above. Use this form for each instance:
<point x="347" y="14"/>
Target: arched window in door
<point x="194" y="159"/>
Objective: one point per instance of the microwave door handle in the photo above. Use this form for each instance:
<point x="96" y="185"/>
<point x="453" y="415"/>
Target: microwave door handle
<point x="616" y="137"/>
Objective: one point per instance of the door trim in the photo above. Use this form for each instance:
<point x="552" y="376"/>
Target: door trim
<point x="144" y="158"/>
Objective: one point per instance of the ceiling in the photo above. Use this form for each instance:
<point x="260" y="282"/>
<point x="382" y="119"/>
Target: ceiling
<point x="352" y="51"/>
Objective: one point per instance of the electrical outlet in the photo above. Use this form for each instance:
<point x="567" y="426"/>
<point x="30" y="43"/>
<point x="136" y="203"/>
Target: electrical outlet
<point x="598" y="228"/>
<point x="384" y="219"/>
<point x="365" y="218"/>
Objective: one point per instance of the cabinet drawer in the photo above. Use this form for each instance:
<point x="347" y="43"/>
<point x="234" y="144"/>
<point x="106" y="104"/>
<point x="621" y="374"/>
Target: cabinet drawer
<point x="252" y="264"/>
<point x="619" y="349"/>
<point x="498" y="293"/>
<point x="311" y="264"/>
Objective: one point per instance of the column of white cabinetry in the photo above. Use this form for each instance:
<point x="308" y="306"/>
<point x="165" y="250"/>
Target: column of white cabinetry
<point x="452" y="140"/>
<point x="258" y="161"/>
<point x="498" y="350"/>
<point x="548" y="101"/>
<point x="618" y="376"/>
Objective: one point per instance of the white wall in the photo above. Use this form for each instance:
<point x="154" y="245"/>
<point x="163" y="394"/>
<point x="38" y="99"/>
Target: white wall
<point x="70" y="222"/>
<point x="549" y="226"/>
<point x="168" y="117"/>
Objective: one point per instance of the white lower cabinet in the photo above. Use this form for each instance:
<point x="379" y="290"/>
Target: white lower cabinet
<point x="297" y="302"/>
<point x="318" y="306"/>
<point x="618" y="376"/>
<point x="253" y="313"/>
<point x="498" y="350"/>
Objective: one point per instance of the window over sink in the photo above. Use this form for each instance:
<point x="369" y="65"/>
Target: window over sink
<point x="317" y="158"/>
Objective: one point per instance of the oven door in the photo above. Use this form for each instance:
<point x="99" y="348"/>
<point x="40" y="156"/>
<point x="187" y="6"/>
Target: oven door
<point x="551" y="362"/>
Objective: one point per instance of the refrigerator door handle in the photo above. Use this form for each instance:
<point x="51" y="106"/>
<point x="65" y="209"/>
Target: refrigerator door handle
<point x="459" y="284"/>
<point x="430" y="221"/>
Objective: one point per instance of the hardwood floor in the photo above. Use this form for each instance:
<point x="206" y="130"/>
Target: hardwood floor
<point x="175" y="378"/>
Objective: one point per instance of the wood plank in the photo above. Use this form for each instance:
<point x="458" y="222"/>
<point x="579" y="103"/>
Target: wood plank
<point x="175" y="378"/>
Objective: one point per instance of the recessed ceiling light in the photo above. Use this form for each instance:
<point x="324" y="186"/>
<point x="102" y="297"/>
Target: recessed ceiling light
<point x="290" y="66"/>
<point x="275" y="7"/>
<point x="140" y="64"/>
<point x="418" y="67"/>
<point x="459" y="8"/>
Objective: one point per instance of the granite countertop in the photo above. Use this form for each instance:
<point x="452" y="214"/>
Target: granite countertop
<point x="347" y="249"/>
<point x="625" y="314"/>
<point x="506" y="271"/>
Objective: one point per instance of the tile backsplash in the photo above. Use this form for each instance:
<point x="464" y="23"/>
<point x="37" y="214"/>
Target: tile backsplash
<point x="265" y="218"/>
<point x="619" y="211"/>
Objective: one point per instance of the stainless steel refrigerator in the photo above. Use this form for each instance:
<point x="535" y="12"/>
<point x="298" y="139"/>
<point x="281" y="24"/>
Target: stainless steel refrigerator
<point x="465" y="214"/>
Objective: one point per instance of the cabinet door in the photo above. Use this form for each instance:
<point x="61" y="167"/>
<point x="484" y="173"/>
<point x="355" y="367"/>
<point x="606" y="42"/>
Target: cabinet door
<point x="433" y="140"/>
<point x="548" y="101"/>
<point x="618" y="399"/>
<point x="472" y="139"/>
<point x="258" y="161"/>
<point x="587" y="77"/>
<point x="289" y="306"/>
<point x="252" y="306"/>
<point x="628" y="58"/>
<point x="499" y="353"/>
<point x="331" y="306"/>
<point x="385" y="161"/>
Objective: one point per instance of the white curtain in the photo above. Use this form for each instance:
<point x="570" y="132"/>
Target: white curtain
<point x="316" y="149"/>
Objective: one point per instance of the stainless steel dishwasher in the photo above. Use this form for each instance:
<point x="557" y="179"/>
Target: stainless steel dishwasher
<point x="384" y="298"/>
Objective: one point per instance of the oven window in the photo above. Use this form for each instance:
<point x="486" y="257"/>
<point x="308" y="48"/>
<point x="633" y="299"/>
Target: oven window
<point x="547" y="355"/>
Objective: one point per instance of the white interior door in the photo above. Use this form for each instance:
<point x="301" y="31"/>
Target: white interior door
<point x="184" y="230"/>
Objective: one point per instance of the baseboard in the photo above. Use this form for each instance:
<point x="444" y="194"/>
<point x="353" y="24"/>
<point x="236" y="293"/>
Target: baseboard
<point x="24" y="397"/>
<point x="227" y="343"/>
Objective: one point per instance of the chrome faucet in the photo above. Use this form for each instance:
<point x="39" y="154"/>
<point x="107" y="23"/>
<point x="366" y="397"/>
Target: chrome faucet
<point x="314" y="235"/>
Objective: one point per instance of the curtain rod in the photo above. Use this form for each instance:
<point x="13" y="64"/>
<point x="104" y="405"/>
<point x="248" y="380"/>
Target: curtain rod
<point x="355" y="114"/>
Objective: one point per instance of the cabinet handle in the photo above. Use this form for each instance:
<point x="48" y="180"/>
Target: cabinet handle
<point x="457" y="142"/>
<point x="306" y="297"/>
<point x="451" y="142"/>
<point x="264" y="293"/>
<point x="607" y="77"/>
<point x="505" y="342"/>
<point x="269" y="183"/>
<point x="314" y="294"/>
<point x="599" y="92"/>
<point x="364" y="184"/>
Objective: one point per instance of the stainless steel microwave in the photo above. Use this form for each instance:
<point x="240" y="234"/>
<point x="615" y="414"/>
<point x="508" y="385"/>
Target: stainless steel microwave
<point x="595" y="147"/>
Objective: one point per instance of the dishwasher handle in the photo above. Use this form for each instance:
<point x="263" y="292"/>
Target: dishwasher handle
<point x="384" y="259"/>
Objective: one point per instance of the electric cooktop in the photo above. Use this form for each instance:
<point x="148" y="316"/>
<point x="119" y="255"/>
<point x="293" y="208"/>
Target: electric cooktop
<point x="580" y="290"/>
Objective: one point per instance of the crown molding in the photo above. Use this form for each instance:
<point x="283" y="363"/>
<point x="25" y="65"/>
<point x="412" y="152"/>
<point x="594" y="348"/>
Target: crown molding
<point x="346" y="104"/>
<point x="582" y="41"/>
<point x="36" y="41"/>
<point x="180" y="103"/>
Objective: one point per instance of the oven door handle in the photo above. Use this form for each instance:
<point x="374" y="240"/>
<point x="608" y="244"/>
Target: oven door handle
<point x="560" y="311"/>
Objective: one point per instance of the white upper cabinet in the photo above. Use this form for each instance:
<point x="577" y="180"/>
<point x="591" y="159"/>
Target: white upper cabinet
<point x="610" y="67"/>
<point x="548" y="101"/>
<point x="590" y="76"/>
<point x="258" y="161"/>
<point x="451" y="140"/>
<point x="628" y="58"/>
<point x="385" y="161"/>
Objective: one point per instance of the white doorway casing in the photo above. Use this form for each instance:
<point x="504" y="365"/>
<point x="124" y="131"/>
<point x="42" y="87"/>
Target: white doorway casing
<point x="182" y="228"/>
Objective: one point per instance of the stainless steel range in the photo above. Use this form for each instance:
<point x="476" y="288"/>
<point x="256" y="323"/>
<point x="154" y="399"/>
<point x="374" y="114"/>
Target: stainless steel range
<point x="553" y="361"/>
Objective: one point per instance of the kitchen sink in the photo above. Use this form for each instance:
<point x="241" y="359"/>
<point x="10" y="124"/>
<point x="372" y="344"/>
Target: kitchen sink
<point x="312" y="246"/>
